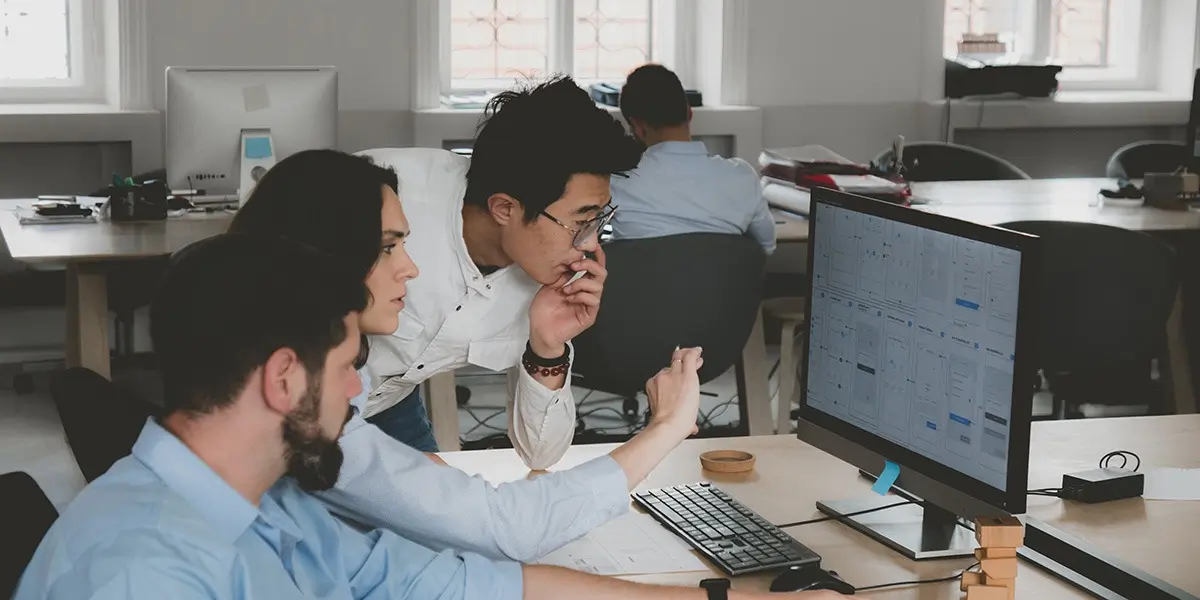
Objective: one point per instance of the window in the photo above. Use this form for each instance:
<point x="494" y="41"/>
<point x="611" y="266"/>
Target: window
<point x="487" y="44"/>
<point x="50" y="51"/>
<point x="1098" y="42"/>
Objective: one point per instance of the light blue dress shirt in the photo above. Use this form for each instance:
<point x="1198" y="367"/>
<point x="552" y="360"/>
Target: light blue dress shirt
<point x="384" y="483"/>
<point x="679" y="188"/>
<point x="161" y="524"/>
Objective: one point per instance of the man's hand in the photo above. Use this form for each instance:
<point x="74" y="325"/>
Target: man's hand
<point x="558" y="314"/>
<point x="675" y="391"/>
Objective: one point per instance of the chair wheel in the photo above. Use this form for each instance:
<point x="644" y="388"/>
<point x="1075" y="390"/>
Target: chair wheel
<point x="23" y="384"/>
<point x="462" y="395"/>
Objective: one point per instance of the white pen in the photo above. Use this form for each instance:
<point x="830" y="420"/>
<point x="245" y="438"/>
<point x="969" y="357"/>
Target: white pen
<point x="578" y="275"/>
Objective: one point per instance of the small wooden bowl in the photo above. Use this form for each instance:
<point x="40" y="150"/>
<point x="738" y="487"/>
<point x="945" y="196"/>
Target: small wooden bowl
<point x="727" y="461"/>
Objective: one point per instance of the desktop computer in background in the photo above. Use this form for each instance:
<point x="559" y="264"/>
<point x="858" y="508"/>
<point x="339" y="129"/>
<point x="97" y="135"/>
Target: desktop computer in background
<point x="227" y="126"/>
<point x="918" y="367"/>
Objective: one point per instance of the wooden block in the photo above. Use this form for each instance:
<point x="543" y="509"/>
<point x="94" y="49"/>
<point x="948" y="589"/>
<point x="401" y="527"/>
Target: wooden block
<point x="982" y="553"/>
<point x="970" y="578"/>
<point x="999" y="532"/>
<point x="1011" y="582"/>
<point x="1000" y="568"/>
<point x="989" y="592"/>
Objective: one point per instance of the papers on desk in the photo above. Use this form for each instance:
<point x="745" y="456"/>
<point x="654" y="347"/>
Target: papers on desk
<point x="27" y="216"/>
<point x="634" y="544"/>
<point x="1171" y="484"/>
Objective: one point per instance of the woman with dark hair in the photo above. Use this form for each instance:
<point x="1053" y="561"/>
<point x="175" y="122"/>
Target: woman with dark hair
<point x="348" y="207"/>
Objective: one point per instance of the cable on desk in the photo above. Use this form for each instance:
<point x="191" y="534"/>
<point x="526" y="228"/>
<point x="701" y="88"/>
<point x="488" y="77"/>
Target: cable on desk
<point x="1124" y="454"/>
<point x="845" y="516"/>
<point x="916" y="581"/>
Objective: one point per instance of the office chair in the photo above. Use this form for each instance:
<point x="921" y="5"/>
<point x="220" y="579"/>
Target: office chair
<point x="697" y="289"/>
<point x="941" y="161"/>
<point x="1102" y="301"/>
<point x="101" y="419"/>
<point x="1133" y="161"/>
<point x="26" y="515"/>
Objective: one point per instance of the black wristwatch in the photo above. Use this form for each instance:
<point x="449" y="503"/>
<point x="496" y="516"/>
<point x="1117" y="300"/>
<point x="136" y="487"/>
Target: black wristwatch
<point x="718" y="589"/>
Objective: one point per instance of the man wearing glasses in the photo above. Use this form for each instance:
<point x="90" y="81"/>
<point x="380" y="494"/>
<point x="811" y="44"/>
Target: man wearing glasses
<point x="500" y="239"/>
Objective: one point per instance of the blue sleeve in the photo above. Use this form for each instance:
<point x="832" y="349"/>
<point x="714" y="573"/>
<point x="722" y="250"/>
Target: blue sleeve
<point x="384" y="566"/>
<point x="762" y="224"/>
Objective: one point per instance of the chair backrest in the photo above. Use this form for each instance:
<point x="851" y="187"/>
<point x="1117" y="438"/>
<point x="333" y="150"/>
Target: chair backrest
<point x="697" y="289"/>
<point x="102" y="421"/>
<point x="1104" y="295"/>
<point x="941" y="161"/>
<point x="1133" y="161"/>
<point x="26" y="514"/>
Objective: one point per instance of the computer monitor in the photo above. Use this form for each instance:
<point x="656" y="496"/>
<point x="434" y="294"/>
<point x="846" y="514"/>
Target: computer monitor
<point x="227" y="126"/>
<point x="1193" y="130"/>
<point x="918" y="355"/>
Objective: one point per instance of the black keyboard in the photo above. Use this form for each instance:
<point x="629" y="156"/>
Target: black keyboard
<point x="732" y="536"/>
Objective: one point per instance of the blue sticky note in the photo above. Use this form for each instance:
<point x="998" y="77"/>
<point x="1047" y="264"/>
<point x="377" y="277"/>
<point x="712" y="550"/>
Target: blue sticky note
<point x="258" y="147"/>
<point x="884" y="483"/>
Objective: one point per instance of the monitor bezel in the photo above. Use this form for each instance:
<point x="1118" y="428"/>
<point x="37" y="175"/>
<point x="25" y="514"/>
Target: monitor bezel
<point x="1012" y="499"/>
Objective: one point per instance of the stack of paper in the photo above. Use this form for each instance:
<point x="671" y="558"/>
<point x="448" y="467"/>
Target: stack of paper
<point x="634" y="544"/>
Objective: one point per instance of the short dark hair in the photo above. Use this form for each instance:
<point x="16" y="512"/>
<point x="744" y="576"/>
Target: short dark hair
<point x="532" y="140"/>
<point x="227" y="303"/>
<point x="327" y="199"/>
<point x="654" y="94"/>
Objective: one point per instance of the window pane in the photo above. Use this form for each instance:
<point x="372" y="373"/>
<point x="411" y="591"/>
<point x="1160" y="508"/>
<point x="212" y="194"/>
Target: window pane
<point x="498" y="39"/>
<point x="612" y="37"/>
<point x="1079" y="32"/>
<point x="33" y="39"/>
<point x="1001" y="17"/>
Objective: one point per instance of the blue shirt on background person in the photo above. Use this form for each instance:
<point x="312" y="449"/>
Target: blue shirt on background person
<point x="162" y="524"/>
<point x="679" y="188"/>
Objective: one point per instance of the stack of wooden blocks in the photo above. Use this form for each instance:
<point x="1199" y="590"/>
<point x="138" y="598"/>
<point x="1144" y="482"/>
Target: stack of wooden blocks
<point x="999" y="538"/>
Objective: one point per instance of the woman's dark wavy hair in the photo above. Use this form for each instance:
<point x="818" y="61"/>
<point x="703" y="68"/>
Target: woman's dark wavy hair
<point x="327" y="199"/>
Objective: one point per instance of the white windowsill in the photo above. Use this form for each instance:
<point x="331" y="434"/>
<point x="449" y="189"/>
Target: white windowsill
<point x="66" y="109"/>
<point x="1070" y="109"/>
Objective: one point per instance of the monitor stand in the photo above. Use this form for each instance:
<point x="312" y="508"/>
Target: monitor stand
<point x="256" y="158"/>
<point x="916" y="532"/>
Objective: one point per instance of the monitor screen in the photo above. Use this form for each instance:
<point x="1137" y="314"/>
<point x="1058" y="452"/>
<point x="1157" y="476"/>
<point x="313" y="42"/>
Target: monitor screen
<point x="913" y="337"/>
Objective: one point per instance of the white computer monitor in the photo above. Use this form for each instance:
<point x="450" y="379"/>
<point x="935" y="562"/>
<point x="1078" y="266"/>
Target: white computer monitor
<point x="227" y="126"/>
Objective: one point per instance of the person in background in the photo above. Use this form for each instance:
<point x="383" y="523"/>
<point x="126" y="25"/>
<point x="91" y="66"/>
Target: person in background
<point x="499" y="237"/>
<point x="678" y="187"/>
<point x="257" y="338"/>
<point x="349" y="208"/>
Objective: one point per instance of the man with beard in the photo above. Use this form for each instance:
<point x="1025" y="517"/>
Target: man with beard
<point x="257" y="339"/>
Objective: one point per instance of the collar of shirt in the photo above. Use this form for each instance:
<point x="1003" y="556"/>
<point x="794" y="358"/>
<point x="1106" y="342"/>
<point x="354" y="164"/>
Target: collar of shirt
<point x="679" y="148"/>
<point x="185" y="474"/>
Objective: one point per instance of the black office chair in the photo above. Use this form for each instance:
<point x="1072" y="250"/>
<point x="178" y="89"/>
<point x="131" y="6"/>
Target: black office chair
<point x="698" y="289"/>
<point x="101" y="419"/>
<point x="26" y="514"/>
<point x="1133" y="161"/>
<point x="941" y="161"/>
<point x="1103" y="298"/>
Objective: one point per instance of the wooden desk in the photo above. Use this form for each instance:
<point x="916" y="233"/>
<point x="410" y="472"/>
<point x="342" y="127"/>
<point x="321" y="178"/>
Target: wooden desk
<point x="790" y="476"/>
<point x="84" y="249"/>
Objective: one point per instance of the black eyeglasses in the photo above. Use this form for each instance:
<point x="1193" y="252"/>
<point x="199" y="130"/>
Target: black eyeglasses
<point x="590" y="227"/>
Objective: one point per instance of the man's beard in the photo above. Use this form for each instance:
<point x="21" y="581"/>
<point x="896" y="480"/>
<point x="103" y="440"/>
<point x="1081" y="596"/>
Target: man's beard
<point x="314" y="461"/>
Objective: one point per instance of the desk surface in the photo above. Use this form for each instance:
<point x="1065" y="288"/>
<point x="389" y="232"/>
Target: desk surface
<point x="1158" y="537"/>
<point x="995" y="202"/>
<point x="104" y="240"/>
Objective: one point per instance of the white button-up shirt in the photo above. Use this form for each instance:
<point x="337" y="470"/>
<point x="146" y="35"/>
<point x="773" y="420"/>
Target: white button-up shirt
<point x="455" y="316"/>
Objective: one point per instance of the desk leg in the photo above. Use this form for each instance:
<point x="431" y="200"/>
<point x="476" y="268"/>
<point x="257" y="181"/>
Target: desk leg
<point x="753" y="387"/>
<point x="1182" y="393"/>
<point x="87" y="319"/>
<point x="442" y="406"/>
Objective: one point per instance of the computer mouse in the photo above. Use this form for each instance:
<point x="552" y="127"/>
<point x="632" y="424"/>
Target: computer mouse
<point x="804" y="579"/>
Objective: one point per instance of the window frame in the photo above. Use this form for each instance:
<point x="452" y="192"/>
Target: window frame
<point x="87" y="66"/>
<point x="672" y="29"/>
